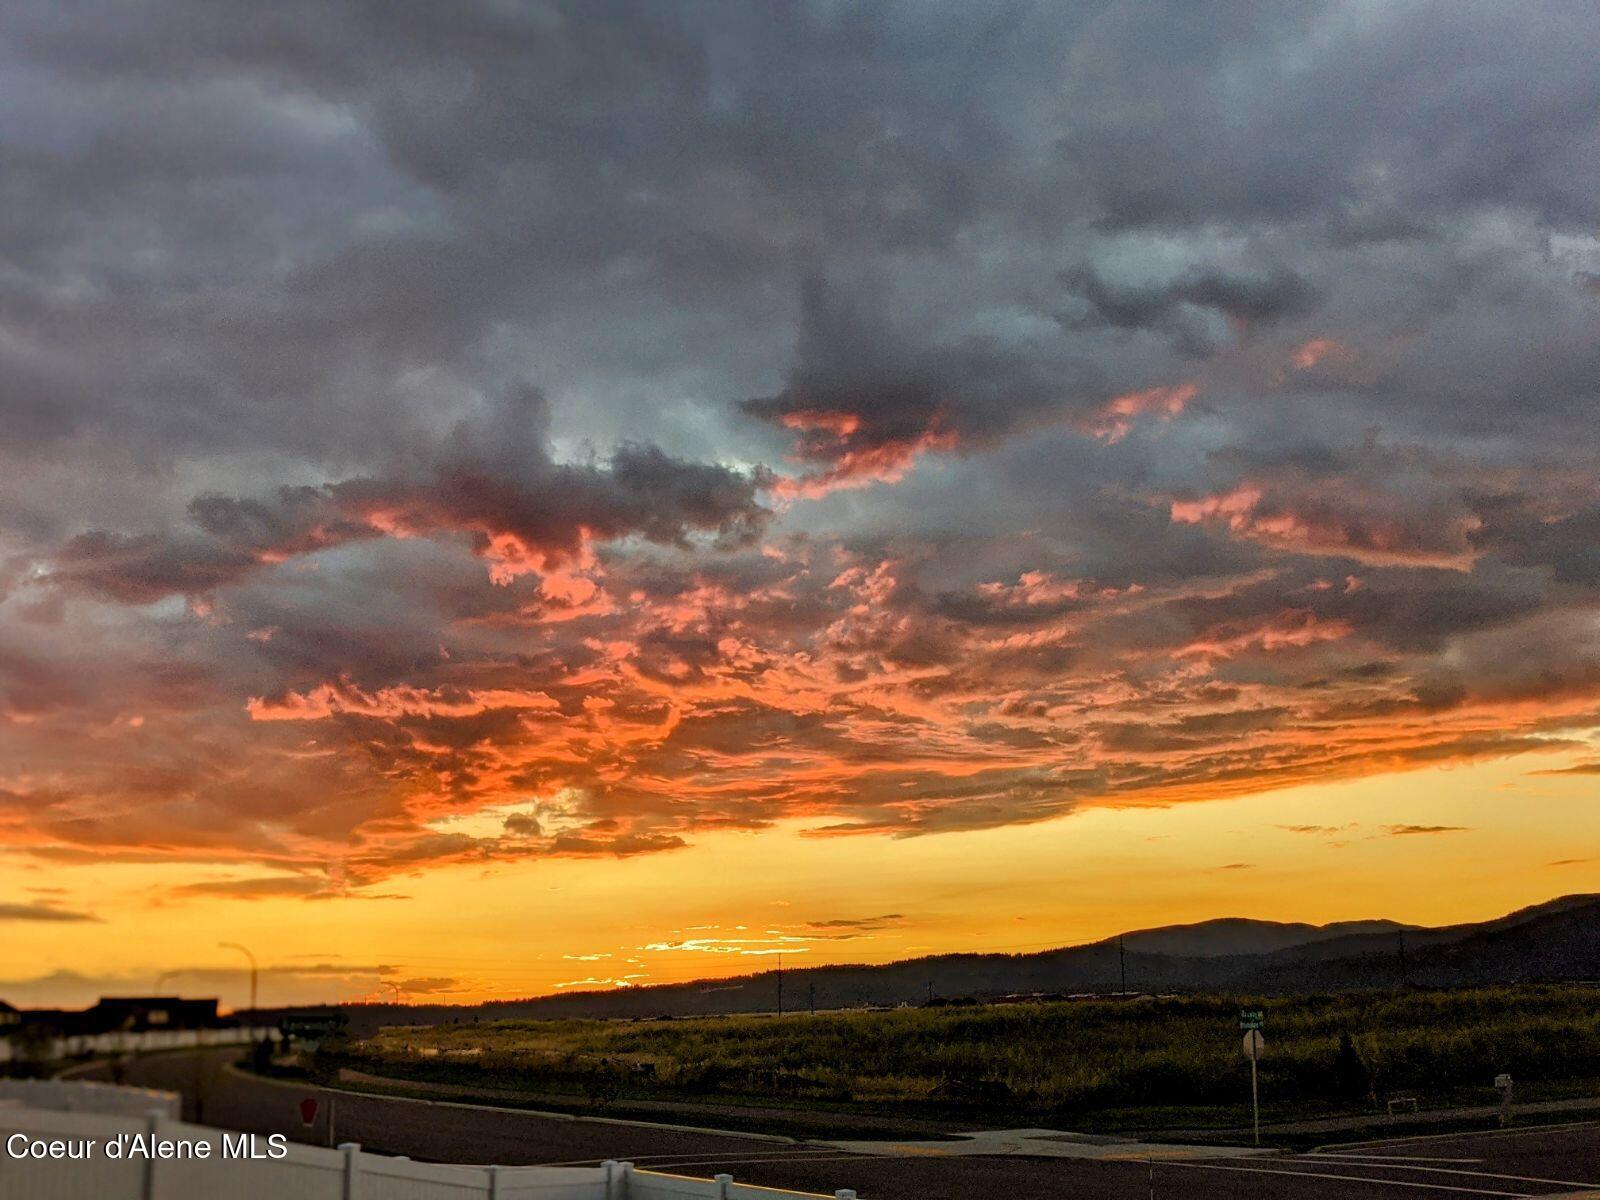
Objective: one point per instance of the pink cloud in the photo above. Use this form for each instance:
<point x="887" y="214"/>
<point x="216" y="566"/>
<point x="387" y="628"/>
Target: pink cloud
<point x="1337" y="516"/>
<point x="1117" y="416"/>
<point x="1308" y="354"/>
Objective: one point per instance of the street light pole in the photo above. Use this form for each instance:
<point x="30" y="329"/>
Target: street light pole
<point x="253" y="969"/>
<point x="162" y="978"/>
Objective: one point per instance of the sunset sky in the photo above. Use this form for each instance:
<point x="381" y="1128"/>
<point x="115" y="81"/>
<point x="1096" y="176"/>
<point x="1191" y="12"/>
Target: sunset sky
<point x="500" y="497"/>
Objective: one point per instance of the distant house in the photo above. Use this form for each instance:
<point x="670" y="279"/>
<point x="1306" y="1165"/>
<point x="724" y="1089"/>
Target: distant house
<point x="52" y="1020"/>
<point x="140" y="1013"/>
<point x="117" y="1014"/>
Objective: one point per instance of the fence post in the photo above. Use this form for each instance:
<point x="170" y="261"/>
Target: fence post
<point x="625" y="1178"/>
<point x="724" y="1182"/>
<point x="152" y="1129"/>
<point x="845" y="1194"/>
<point x="494" y="1183"/>
<point x="352" y="1169"/>
<point x="610" y="1168"/>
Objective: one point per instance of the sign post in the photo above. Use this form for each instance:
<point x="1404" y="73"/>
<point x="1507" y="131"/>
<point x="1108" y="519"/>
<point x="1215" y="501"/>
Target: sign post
<point x="1254" y="1044"/>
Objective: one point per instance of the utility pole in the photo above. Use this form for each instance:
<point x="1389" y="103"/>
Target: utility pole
<point x="930" y="991"/>
<point x="811" y="997"/>
<point x="1122" y="961"/>
<point x="1404" y="981"/>
<point x="780" y="983"/>
<point x="253" y="969"/>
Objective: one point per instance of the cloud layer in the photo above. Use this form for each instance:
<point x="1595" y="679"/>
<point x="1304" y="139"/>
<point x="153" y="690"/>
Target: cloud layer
<point x="472" y="433"/>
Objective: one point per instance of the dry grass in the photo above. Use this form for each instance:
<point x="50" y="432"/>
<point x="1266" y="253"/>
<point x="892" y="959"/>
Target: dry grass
<point x="1080" y="1056"/>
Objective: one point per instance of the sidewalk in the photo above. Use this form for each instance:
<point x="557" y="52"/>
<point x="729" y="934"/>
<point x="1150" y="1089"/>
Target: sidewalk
<point x="1379" y="1123"/>
<point x="1045" y="1143"/>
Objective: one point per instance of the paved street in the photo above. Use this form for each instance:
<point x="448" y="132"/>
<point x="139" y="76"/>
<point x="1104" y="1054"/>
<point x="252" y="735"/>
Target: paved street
<point x="1562" y="1160"/>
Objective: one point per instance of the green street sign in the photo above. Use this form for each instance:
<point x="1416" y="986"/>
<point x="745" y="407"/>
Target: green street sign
<point x="1252" y="1020"/>
<point x="313" y="1026"/>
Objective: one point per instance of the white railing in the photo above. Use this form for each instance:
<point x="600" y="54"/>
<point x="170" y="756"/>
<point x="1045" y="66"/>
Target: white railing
<point x="124" y="1042"/>
<point x="100" y="1158"/>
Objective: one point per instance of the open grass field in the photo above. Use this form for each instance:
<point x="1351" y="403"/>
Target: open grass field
<point x="1151" y="1061"/>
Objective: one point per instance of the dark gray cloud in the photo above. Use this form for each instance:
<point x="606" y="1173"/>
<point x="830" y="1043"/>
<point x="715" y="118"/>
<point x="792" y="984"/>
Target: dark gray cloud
<point x="1521" y="531"/>
<point x="41" y="912"/>
<point x="864" y="401"/>
<point x="272" y="887"/>
<point x="1589" y="768"/>
<point x="1375" y="123"/>
<point x="858" y="923"/>
<point x="1423" y="830"/>
<point x="492" y="482"/>
<point x="1196" y="309"/>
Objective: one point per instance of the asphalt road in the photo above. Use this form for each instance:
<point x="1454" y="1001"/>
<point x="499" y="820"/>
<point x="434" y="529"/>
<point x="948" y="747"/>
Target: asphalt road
<point x="1549" y="1161"/>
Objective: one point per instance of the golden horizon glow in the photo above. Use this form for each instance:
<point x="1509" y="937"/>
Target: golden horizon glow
<point x="728" y="902"/>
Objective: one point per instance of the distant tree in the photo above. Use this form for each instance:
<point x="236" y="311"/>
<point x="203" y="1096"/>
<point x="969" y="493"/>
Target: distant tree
<point x="32" y="1048"/>
<point x="603" y="1085"/>
<point x="1351" y="1078"/>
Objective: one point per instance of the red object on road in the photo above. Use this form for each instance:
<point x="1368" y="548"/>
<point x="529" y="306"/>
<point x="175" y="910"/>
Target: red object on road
<point x="308" y="1112"/>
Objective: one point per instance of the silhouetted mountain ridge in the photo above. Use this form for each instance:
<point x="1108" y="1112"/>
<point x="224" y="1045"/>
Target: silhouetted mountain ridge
<point x="1552" y="941"/>
<point x="1240" y="935"/>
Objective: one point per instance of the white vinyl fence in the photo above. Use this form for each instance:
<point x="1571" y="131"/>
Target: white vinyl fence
<point x="74" y="1150"/>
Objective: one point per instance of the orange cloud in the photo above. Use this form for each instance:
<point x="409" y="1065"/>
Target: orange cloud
<point x="1294" y="629"/>
<point x="859" y="466"/>
<point x="1117" y="416"/>
<point x="334" y="699"/>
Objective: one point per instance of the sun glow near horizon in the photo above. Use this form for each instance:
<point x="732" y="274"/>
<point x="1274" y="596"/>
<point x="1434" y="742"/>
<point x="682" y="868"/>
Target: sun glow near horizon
<point x="730" y="901"/>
